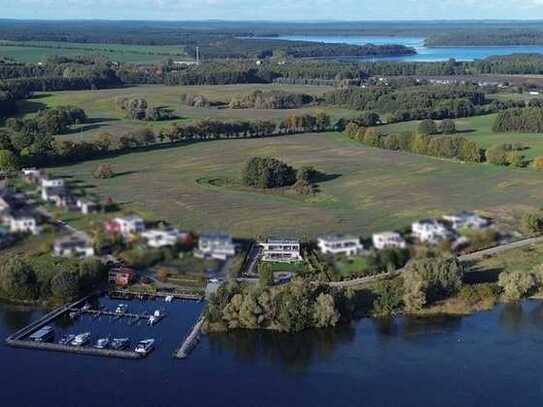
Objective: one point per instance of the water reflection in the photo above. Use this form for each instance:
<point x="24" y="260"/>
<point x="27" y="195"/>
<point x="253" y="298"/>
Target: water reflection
<point x="14" y="318"/>
<point x="511" y="316"/>
<point x="295" y="352"/>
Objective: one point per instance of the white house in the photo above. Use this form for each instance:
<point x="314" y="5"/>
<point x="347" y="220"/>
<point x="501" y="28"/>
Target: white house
<point x="162" y="237"/>
<point x="130" y="225"/>
<point x="430" y="231"/>
<point x="466" y="220"/>
<point x="217" y="246"/>
<point x="386" y="240"/>
<point x="340" y="244"/>
<point x="22" y="223"/>
<point x="32" y="175"/>
<point x="281" y="250"/>
<point x="57" y="195"/>
<point x="86" y="206"/>
<point x="72" y="246"/>
<point x="52" y="182"/>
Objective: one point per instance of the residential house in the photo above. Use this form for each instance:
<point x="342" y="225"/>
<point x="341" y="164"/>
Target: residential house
<point x="22" y="223"/>
<point x="52" y="182"/>
<point x="86" y="206"/>
<point x="9" y="201"/>
<point x="466" y="220"/>
<point x="281" y="250"/>
<point x="340" y="244"/>
<point x="73" y="246"/>
<point x="122" y="276"/>
<point x="126" y="226"/>
<point x="386" y="240"/>
<point x="157" y="238"/>
<point x="216" y="246"/>
<point x="32" y="175"/>
<point x="431" y="231"/>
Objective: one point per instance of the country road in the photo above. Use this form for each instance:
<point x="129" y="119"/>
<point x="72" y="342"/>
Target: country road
<point x="465" y="258"/>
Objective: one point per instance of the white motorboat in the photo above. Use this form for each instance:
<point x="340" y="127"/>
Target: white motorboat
<point x="121" y="309"/>
<point x="81" y="339"/>
<point x="66" y="340"/>
<point x="169" y="298"/>
<point x="145" y="346"/>
<point x="102" y="343"/>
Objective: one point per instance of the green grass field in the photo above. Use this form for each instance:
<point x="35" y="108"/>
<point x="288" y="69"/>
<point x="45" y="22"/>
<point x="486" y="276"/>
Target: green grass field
<point x="479" y="129"/>
<point x="102" y="108"/>
<point x="367" y="189"/>
<point x="35" y="51"/>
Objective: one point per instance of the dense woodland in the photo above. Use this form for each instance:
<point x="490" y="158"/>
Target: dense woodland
<point x="524" y="120"/>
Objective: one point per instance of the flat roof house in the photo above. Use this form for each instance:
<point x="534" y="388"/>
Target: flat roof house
<point x="22" y="223"/>
<point x="215" y="245"/>
<point x="281" y="250"/>
<point x="163" y="237"/>
<point x="466" y="220"/>
<point x="340" y="244"/>
<point x="73" y="246"/>
<point x="431" y="231"/>
<point x="52" y="182"/>
<point x="387" y="240"/>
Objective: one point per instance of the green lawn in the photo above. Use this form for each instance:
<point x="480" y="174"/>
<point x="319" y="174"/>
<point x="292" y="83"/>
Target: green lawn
<point x="366" y="190"/>
<point x="36" y="51"/>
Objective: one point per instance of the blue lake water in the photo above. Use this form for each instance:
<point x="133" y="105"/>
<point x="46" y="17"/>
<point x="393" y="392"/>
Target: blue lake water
<point x="424" y="54"/>
<point x="491" y="358"/>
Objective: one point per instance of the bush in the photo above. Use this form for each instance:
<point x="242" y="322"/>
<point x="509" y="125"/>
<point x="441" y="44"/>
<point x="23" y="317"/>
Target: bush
<point x="447" y="126"/>
<point x="103" y="171"/>
<point x="532" y="223"/>
<point x="427" y="127"/>
<point x="538" y="163"/>
<point x="516" y="284"/>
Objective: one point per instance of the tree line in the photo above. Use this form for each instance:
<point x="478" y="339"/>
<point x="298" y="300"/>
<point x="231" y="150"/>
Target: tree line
<point x="523" y="120"/>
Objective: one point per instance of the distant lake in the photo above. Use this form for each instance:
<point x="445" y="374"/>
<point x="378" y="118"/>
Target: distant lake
<point x="488" y="359"/>
<point x="424" y="54"/>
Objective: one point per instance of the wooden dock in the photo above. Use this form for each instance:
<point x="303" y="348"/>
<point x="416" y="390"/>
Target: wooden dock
<point x="126" y="294"/>
<point x="190" y="341"/>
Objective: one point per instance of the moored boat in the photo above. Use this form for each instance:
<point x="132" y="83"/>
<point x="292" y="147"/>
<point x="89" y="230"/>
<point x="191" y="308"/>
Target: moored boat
<point x="102" y="343"/>
<point x="81" y="339"/>
<point x="66" y="339"/>
<point x="120" y="343"/>
<point x="121" y="309"/>
<point x="145" y="346"/>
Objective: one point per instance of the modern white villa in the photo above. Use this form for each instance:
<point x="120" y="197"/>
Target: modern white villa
<point x="158" y="238"/>
<point x="215" y="246"/>
<point x="128" y="225"/>
<point x="22" y="223"/>
<point x="73" y="246"/>
<point x="340" y="244"/>
<point x="86" y="206"/>
<point x="281" y="250"/>
<point x="431" y="231"/>
<point x="388" y="240"/>
<point x="52" y="182"/>
<point x="466" y="220"/>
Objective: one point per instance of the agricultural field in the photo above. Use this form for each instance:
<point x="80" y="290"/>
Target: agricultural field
<point x="364" y="190"/>
<point x="34" y="51"/>
<point x="479" y="129"/>
<point x="106" y="116"/>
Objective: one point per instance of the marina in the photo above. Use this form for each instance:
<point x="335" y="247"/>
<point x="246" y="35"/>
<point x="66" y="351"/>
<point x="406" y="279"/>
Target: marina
<point x="101" y="325"/>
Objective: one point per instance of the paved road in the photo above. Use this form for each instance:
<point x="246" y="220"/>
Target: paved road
<point x="467" y="257"/>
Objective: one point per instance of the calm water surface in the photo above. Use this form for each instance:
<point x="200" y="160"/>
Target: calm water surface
<point x="423" y="53"/>
<point x="492" y="358"/>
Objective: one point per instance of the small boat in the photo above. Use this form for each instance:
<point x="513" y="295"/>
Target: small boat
<point x="45" y="334"/>
<point x="81" y="339"/>
<point x="74" y="314"/>
<point x="145" y="346"/>
<point x="169" y="298"/>
<point x="65" y="340"/>
<point x="120" y="343"/>
<point x="121" y="309"/>
<point x="157" y="316"/>
<point x="102" y="343"/>
<point x="86" y="307"/>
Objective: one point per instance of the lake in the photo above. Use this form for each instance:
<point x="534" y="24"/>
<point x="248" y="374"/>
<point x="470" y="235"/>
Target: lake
<point x="424" y="54"/>
<point x="490" y="358"/>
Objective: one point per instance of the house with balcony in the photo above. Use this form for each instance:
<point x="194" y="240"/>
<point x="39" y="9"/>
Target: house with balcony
<point x="218" y="246"/>
<point x="125" y="226"/>
<point x="281" y="251"/>
<point x="431" y="231"/>
<point x="466" y="220"/>
<point x="73" y="246"/>
<point x="347" y="245"/>
<point x="21" y="222"/>
<point x="388" y="240"/>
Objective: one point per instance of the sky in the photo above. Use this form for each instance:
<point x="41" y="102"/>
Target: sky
<point x="272" y="9"/>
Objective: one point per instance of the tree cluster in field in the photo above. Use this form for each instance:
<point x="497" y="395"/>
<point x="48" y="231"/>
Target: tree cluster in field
<point x="192" y="100"/>
<point x="44" y="278"/>
<point x="274" y="99"/>
<point x="139" y="109"/>
<point x="421" y="142"/>
<point x="523" y="120"/>
<point x="506" y="155"/>
<point x="289" y="308"/>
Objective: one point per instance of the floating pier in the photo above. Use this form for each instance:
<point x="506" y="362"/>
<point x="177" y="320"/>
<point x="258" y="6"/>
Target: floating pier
<point x="190" y="341"/>
<point x="127" y="294"/>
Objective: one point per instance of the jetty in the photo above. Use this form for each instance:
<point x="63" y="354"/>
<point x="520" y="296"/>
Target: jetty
<point x="128" y="294"/>
<point x="190" y="341"/>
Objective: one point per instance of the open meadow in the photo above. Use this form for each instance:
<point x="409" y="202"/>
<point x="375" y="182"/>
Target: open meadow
<point x="106" y="116"/>
<point x="364" y="189"/>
